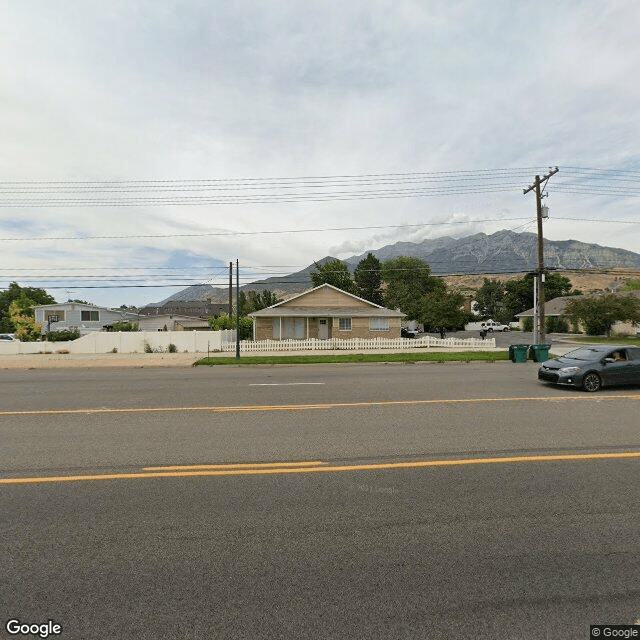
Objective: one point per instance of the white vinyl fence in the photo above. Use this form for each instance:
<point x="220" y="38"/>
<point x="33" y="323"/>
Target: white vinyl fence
<point x="313" y="344"/>
<point x="128" y="342"/>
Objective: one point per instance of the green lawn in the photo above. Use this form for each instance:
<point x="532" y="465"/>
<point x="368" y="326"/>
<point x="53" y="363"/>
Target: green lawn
<point x="464" y="356"/>
<point x="598" y="339"/>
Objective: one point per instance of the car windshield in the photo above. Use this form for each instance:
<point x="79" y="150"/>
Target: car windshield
<point x="584" y="353"/>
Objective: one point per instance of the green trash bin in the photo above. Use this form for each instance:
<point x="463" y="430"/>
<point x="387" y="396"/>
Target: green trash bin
<point x="518" y="352"/>
<point x="540" y="352"/>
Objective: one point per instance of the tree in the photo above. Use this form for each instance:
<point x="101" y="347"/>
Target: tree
<point x="229" y="322"/>
<point x="445" y="310"/>
<point x="368" y="279"/>
<point x="334" y="272"/>
<point x="262" y="299"/>
<point x="519" y="292"/>
<point x="598" y="314"/>
<point x="409" y="280"/>
<point x="13" y="292"/>
<point x="255" y="300"/>
<point x="491" y="300"/>
<point x="24" y="324"/>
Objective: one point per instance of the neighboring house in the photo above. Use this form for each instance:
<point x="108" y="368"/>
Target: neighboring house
<point x="552" y="308"/>
<point x="193" y="308"/>
<point x="556" y="308"/>
<point x="167" y="322"/>
<point x="325" y="312"/>
<point x="79" y="316"/>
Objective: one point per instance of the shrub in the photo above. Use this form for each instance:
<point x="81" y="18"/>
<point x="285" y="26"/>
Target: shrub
<point x="124" y="326"/>
<point x="527" y="323"/>
<point x="147" y="348"/>
<point x="555" y="324"/>
<point x="63" y="335"/>
<point x="172" y="348"/>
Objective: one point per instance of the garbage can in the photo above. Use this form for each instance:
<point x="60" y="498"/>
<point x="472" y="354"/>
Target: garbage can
<point x="540" y="352"/>
<point x="518" y="352"/>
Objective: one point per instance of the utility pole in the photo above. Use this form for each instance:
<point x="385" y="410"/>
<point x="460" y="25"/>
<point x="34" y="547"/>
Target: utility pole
<point x="231" y="289"/>
<point x="237" y="310"/>
<point x="538" y="322"/>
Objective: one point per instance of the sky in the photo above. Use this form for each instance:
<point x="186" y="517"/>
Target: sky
<point x="212" y="112"/>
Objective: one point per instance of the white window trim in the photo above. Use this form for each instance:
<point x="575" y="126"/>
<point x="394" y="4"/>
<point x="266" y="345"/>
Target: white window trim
<point x="340" y="324"/>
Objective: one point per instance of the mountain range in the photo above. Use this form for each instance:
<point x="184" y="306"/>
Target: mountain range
<point x="501" y="252"/>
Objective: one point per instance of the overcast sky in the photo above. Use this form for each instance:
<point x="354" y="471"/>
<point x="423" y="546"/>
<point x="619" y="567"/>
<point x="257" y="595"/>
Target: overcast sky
<point x="201" y="90"/>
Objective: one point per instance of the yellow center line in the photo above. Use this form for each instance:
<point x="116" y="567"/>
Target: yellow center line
<point x="328" y="469"/>
<point x="328" y="405"/>
<point x="259" y="465"/>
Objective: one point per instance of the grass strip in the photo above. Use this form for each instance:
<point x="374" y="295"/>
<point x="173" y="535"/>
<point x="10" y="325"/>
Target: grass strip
<point x="603" y="340"/>
<point x="463" y="356"/>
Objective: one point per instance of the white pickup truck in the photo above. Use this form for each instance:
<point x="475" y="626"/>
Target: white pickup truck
<point x="490" y="326"/>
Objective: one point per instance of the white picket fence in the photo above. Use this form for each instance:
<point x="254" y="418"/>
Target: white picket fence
<point x="313" y="344"/>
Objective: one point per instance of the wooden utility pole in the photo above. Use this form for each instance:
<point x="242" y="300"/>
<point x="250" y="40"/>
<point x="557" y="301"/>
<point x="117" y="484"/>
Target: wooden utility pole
<point x="538" y="322"/>
<point x="237" y="310"/>
<point x="230" y="289"/>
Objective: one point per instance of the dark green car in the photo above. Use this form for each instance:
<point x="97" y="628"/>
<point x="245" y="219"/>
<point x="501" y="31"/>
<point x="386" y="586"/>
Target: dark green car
<point x="592" y="368"/>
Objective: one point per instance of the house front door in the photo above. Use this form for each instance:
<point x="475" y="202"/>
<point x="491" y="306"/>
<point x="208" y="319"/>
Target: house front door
<point x="323" y="329"/>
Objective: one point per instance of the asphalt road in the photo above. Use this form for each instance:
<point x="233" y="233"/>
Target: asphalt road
<point x="375" y="501"/>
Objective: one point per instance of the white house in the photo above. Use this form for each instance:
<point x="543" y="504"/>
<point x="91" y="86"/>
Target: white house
<point x="79" y="316"/>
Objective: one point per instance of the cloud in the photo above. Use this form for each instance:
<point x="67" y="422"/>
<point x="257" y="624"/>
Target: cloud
<point x="191" y="90"/>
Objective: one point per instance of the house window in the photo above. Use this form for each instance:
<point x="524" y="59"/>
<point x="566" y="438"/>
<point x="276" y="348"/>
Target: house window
<point x="344" y="324"/>
<point x="89" y="316"/>
<point x="378" y="324"/>
<point x="50" y="315"/>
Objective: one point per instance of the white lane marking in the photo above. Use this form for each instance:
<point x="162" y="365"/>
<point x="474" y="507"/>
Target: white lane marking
<point x="280" y="384"/>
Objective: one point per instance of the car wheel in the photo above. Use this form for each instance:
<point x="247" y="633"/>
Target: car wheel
<point x="591" y="382"/>
<point x="490" y="330"/>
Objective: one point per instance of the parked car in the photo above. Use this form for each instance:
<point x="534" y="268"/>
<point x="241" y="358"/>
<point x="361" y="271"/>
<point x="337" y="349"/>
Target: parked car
<point x="7" y="336"/>
<point x="591" y="368"/>
<point x="408" y="333"/>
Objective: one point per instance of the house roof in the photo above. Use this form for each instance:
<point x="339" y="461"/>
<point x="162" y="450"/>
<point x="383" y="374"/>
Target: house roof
<point x="553" y="307"/>
<point x="59" y="306"/>
<point x="327" y="312"/>
<point x="289" y="308"/>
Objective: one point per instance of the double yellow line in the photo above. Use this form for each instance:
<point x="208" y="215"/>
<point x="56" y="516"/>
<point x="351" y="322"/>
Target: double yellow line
<point x="313" y="466"/>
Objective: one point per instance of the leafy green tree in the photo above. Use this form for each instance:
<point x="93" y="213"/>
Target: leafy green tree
<point x="598" y="314"/>
<point x="229" y="322"/>
<point x="409" y="281"/>
<point x="519" y="292"/>
<point x="445" y="310"/>
<point x="262" y="299"/>
<point x="334" y="272"/>
<point x="631" y="285"/>
<point x="368" y="279"/>
<point x="22" y="318"/>
<point x="491" y="300"/>
<point x="13" y="292"/>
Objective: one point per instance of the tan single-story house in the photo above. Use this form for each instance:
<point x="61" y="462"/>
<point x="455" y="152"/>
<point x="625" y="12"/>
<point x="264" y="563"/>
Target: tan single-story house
<point x="325" y="312"/>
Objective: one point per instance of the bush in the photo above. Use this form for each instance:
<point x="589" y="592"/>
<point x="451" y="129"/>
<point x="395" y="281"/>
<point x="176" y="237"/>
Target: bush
<point x="124" y="326"/>
<point x="555" y="324"/>
<point x="63" y="335"/>
<point x="527" y="323"/>
<point x="147" y="348"/>
<point x="172" y="348"/>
